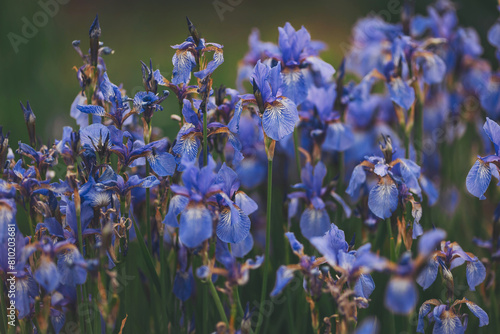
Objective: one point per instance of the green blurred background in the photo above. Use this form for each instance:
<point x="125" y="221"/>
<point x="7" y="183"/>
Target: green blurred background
<point x="41" y="71"/>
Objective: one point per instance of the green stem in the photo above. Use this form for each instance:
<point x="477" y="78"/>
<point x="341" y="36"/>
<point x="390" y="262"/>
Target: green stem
<point x="391" y="241"/>
<point x="147" y="139"/>
<point x="296" y="147"/>
<point x="205" y="138"/>
<point x="268" y="243"/>
<point x="4" y="307"/>
<point x="217" y="301"/>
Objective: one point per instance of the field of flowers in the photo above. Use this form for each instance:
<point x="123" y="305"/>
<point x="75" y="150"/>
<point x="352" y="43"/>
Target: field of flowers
<point x="310" y="198"/>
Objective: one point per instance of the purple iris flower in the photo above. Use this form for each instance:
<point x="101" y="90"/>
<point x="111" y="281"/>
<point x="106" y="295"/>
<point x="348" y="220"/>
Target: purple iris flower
<point x="279" y="113"/>
<point x="195" y="200"/>
<point x="187" y="55"/>
<point x="355" y="265"/>
<point x="447" y="318"/>
<point x="392" y="175"/>
<point x="236" y="273"/>
<point x="314" y="220"/>
<point x="401" y="294"/>
<point x="451" y="255"/>
<point x="188" y="140"/>
<point x="302" y="66"/>
<point x="479" y="176"/>
<point x="118" y="111"/>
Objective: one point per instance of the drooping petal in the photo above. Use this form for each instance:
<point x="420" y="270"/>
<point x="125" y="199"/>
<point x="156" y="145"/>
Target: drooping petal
<point x="430" y="240"/>
<point x="47" y="274"/>
<point x="242" y="248"/>
<point x="294" y="243"/>
<point x="195" y="226"/>
<point x="424" y="310"/>
<point x="246" y="203"/>
<point x="428" y="274"/>
<point x="92" y="109"/>
<point x="479" y="179"/>
<point x="401" y="93"/>
<point x="434" y="68"/>
<point x="294" y="84"/>
<point x="476" y="273"/>
<point x="401" y="295"/>
<point x="234" y="224"/>
<point x="69" y="266"/>
<point x="383" y="198"/>
<point x="217" y="60"/>
<point x="479" y="313"/>
<point x="177" y="204"/>
<point x="358" y="178"/>
<point x="279" y="118"/>
<point x="184" y="62"/>
<point x="162" y="164"/>
<point x="284" y="276"/>
<point x="364" y="286"/>
<point x="314" y="222"/>
<point x="339" y="137"/>
<point x="492" y="130"/>
<point x="234" y="123"/>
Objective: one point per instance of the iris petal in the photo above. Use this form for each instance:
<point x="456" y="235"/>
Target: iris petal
<point x="279" y="118"/>
<point x="314" y="223"/>
<point x="479" y="179"/>
<point x="195" y="226"/>
<point x="383" y="198"/>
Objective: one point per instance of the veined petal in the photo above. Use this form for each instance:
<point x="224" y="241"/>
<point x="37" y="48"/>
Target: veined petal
<point x="92" y="109"/>
<point x="479" y="313"/>
<point x="428" y="274"/>
<point x="479" y="179"/>
<point x="383" y="198"/>
<point x="314" y="223"/>
<point x="424" y="310"/>
<point x="279" y="118"/>
<point x="364" y="286"/>
<point x="187" y="146"/>
<point x="217" y="60"/>
<point x="234" y="224"/>
<point x="294" y="84"/>
<point x="162" y="164"/>
<point x="177" y="204"/>
<point x="401" y="93"/>
<point x="184" y="62"/>
<point x="195" y="226"/>
<point x="476" y="273"/>
<point x="234" y="123"/>
<point x="246" y="204"/>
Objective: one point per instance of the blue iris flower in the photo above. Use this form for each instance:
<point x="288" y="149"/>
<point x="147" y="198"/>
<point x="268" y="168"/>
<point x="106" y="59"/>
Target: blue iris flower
<point x="279" y="113"/>
<point x="314" y="220"/>
<point x="401" y="294"/>
<point x="185" y="59"/>
<point x="451" y="255"/>
<point x="392" y="175"/>
<point x="236" y="273"/>
<point x="189" y="136"/>
<point x="447" y="317"/>
<point x="479" y="176"/>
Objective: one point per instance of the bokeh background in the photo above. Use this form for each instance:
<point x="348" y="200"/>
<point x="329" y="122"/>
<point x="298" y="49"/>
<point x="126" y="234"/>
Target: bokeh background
<point x="41" y="70"/>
